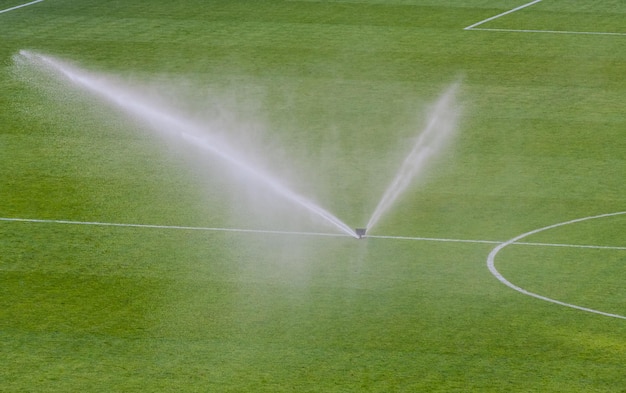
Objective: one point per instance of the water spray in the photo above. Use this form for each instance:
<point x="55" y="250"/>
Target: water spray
<point x="439" y="129"/>
<point x="178" y="126"/>
<point x="440" y="126"/>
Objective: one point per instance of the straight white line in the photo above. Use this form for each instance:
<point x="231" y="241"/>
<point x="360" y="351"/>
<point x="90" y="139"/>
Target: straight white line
<point x="433" y="239"/>
<point x="179" y="227"/>
<point x="570" y="245"/>
<point x="548" y="31"/>
<point x="275" y="232"/>
<point x="502" y="14"/>
<point x="20" y="6"/>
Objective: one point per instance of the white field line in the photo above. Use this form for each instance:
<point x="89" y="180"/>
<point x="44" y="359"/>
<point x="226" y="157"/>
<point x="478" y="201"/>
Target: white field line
<point x="549" y="31"/>
<point x="502" y="14"/>
<point x="176" y="227"/>
<point x="20" y="6"/>
<point x="276" y="232"/>
<point x="434" y="239"/>
<point x="515" y="240"/>
<point x="571" y="245"/>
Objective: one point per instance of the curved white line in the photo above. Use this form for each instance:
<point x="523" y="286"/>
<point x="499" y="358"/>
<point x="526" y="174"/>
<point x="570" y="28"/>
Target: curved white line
<point x="500" y="277"/>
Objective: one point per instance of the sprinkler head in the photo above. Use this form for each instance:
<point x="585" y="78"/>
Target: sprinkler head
<point x="360" y="232"/>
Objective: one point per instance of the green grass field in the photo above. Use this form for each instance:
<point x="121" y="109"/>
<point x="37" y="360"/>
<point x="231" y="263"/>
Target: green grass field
<point x="329" y="95"/>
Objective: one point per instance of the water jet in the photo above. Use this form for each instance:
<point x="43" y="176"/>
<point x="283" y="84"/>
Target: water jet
<point x="439" y="129"/>
<point x="178" y="127"/>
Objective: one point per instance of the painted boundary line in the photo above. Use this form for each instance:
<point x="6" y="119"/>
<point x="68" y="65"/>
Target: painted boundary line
<point x="20" y="6"/>
<point x="434" y="239"/>
<point x="502" y="14"/>
<point x="176" y="227"/>
<point x="502" y="279"/>
<point x="550" y="31"/>
<point x="474" y="26"/>
<point x="297" y="233"/>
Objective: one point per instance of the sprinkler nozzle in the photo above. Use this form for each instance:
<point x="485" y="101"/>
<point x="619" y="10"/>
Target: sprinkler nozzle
<point x="360" y="232"/>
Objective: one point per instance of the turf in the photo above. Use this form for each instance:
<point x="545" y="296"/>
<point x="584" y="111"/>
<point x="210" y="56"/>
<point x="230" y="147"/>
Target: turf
<point x="330" y="94"/>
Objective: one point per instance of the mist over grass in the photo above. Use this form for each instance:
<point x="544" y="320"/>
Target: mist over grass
<point x="207" y="137"/>
<point x="210" y="137"/>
